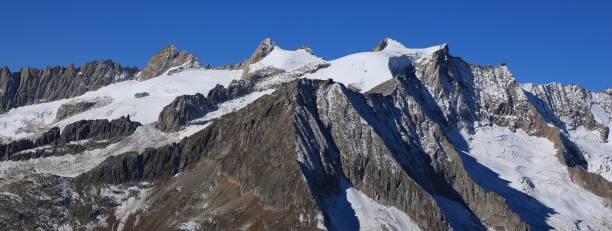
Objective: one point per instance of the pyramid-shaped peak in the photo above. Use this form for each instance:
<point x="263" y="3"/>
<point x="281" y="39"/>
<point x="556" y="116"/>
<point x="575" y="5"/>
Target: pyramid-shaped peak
<point x="265" y="47"/>
<point x="166" y="58"/>
<point x="267" y="42"/>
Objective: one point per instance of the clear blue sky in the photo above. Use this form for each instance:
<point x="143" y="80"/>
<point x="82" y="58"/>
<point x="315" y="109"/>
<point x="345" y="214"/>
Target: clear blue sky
<point x="542" y="41"/>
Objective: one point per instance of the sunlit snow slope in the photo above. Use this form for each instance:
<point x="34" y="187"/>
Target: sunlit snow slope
<point x="118" y="100"/>
<point x="363" y="70"/>
<point x="366" y="70"/>
<point x="530" y="167"/>
<point x="286" y="60"/>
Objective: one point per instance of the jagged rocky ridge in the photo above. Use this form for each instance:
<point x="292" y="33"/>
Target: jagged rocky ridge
<point x="31" y="85"/>
<point x="292" y="159"/>
<point x="74" y="138"/>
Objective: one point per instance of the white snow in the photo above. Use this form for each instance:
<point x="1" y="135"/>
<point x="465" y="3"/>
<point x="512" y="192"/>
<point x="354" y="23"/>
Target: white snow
<point x="234" y="105"/>
<point x="597" y="153"/>
<point x="286" y="60"/>
<point x="366" y="70"/>
<point x="27" y="120"/>
<point x="189" y="226"/>
<point x="602" y="116"/>
<point x="72" y="165"/>
<point x="145" y="136"/>
<point x="395" y="47"/>
<point x="530" y="166"/>
<point x="130" y="200"/>
<point x="352" y="209"/>
<point x="375" y="216"/>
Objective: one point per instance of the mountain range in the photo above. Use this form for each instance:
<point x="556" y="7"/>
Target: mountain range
<point x="394" y="138"/>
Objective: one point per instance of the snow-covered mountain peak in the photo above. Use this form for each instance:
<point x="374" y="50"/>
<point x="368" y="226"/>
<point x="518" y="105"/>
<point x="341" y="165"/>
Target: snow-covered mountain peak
<point x="265" y="47"/>
<point x="307" y="49"/>
<point x="267" y="42"/>
<point x="361" y="142"/>
<point x="287" y="60"/>
<point x="391" y="46"/>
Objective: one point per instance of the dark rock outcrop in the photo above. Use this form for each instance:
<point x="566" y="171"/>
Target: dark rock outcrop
<point x="69" y="109"/>
<point x="381" y="45"/>
<point x="99" y="129"/>
<point x="48" y="138"/>
<point x="141" y="94"/>
<point x="188" y="107"/>
<point x="30" y="85"/>
<point x="183" y="109"/>
<point x="97" y="133"/>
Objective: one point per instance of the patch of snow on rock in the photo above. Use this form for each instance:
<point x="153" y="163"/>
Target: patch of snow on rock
<point x="189" y="226"/>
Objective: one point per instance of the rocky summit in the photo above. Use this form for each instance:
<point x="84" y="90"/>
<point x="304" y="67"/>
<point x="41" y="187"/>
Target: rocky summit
<point x="394" y="138"/>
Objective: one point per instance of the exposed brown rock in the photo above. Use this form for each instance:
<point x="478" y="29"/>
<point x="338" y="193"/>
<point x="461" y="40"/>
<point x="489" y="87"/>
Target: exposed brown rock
<point x="69" y="109"/>
<point x="166" y="59"/>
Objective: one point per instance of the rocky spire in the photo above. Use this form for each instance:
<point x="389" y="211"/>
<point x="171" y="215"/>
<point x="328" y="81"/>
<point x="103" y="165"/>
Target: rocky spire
<point x="265" y="47"/>
<point x="165" y="59"/>
<point x="381" y="45"/>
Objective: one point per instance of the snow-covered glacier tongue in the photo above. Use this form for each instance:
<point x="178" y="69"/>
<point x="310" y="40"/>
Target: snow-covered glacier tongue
<point x="394" y="138"/>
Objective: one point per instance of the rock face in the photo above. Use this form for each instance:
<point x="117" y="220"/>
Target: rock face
<point x="167" y="59"/>
<point x="99" y="129"/>
<point x="30" y="85"/>
<point x="183" y="109"/>
<point x="568" y="104"/>
<point x="381" y="45"/>
<point x="96" y="133"/>
<point x="70" y="109"/>
<point x="264" y="48"/>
